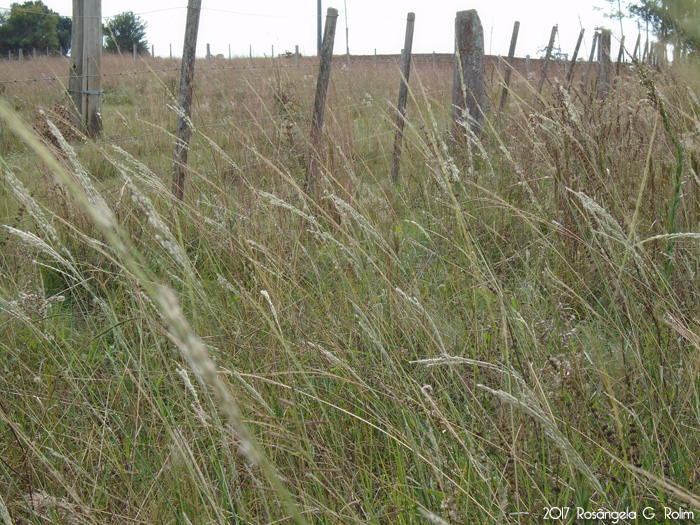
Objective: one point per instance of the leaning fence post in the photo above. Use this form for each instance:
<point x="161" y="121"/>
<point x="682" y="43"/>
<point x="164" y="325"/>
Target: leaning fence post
<point x="620" y="56"/>
<point x="469" y="81"/>
<point x="324" y="74"/>
<point x="509" y="69"/>
<point x="547" y="56"/>
<point x="596" y="36"/>
<point x="604" y="82"/>
<point x="182" y="143"/>
<point x="636" y="46"/>
<point x="570" y="76"/>
<point x="403" y="94"/>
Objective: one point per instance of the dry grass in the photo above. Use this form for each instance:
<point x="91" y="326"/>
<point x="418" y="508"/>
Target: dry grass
<point x="514" y="326"/>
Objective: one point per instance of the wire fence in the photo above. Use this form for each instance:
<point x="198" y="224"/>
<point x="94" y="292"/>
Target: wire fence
<point x="223" y="122"/>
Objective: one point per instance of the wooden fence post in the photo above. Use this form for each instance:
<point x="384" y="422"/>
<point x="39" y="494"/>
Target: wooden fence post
<point x="403" y="95"/>
<point x="469" y="80"/>
<point x="547" y="56"/>
<point x="20" y="54"/>
<point x="208" y="52"/>
<point x="527" y="67"/>
<point x="620" y="56"/>
<point x="570" y="75"/>
<point x="182" y="143"/>
<point x="85" y="78"/>
<point x="135" y="51"/>
<point x="509" y="69"/>
<point x="604" y="82"/>
<point x="324" y="74"/>
<point x="645" y="54"/>
<point x="171" y="51"/>
<point x="636" y="47"/>
<point x="596" y="36"/>
<point x="296" y="54"/>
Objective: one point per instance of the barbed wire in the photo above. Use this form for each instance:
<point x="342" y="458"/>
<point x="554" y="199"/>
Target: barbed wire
<point x="221" y="123"/>
<point x="165" y="70"/>
<point x="313" y="64"/>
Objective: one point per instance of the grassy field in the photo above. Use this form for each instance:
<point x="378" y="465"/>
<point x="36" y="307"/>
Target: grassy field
<point x="512" y="327"/>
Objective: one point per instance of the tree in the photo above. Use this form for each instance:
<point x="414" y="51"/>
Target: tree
<point x="124" y="30"/>
<point x="672" y="21"/>
<point x="32" y="25"/>
<point x="64" y="31"/>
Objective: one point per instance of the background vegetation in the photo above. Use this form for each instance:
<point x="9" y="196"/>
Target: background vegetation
<point x="32" y="25"/>
<point x="513" y="326"/>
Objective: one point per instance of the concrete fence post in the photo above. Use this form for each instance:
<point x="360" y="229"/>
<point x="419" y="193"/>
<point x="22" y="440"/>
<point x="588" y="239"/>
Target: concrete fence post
<point x="469" y="80"/>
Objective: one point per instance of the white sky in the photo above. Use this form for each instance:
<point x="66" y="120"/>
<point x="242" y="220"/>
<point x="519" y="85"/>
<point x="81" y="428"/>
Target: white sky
<point x="372" y="24"/>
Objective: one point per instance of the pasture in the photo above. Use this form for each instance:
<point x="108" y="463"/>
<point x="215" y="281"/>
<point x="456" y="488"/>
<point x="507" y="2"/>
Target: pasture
<point x="511" y="327"/>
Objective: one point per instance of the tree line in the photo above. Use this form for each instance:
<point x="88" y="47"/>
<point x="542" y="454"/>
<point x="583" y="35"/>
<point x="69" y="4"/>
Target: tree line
<point x="32" y="25"/>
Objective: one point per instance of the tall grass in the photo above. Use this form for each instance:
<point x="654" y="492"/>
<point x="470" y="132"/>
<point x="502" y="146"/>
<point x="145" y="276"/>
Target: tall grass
<point x="504" y="330"/>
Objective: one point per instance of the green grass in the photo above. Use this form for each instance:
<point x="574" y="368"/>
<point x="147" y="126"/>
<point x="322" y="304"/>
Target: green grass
<point x="503" y="331"/>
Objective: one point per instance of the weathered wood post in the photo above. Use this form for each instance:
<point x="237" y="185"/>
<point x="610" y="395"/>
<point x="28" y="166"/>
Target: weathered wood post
<point x="527" y="67"/>
<point x="596" y="36"/>
<point x="636" y="47"/>
<point x="570" y="75"/>
<point x="509" y="69"/>
<point x="182" y="143"/>
<point x="85" y="78"/>
<point x="620" y="56"/>
<point x="153" y="50"/>
<point x="469" y="81"/>
<point x="34" y="53"/>
<point x="20" y="54"/>
<point x="324" y="74"/>
<point x="547" y="56"/>
<point x="604" y="81"/>
<point x="296" y="55"/>
<point x="208" y="52"/>
<point x="403" y="95"/>
<point x="171" y="51"/>
<point x="645" y="55"/>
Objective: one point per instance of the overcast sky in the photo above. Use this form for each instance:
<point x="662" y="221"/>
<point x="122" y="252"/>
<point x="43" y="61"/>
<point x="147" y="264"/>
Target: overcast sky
<point x="372" y="24"/>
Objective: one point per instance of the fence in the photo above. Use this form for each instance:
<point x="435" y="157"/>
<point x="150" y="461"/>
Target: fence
<point x="495" y="68"/>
